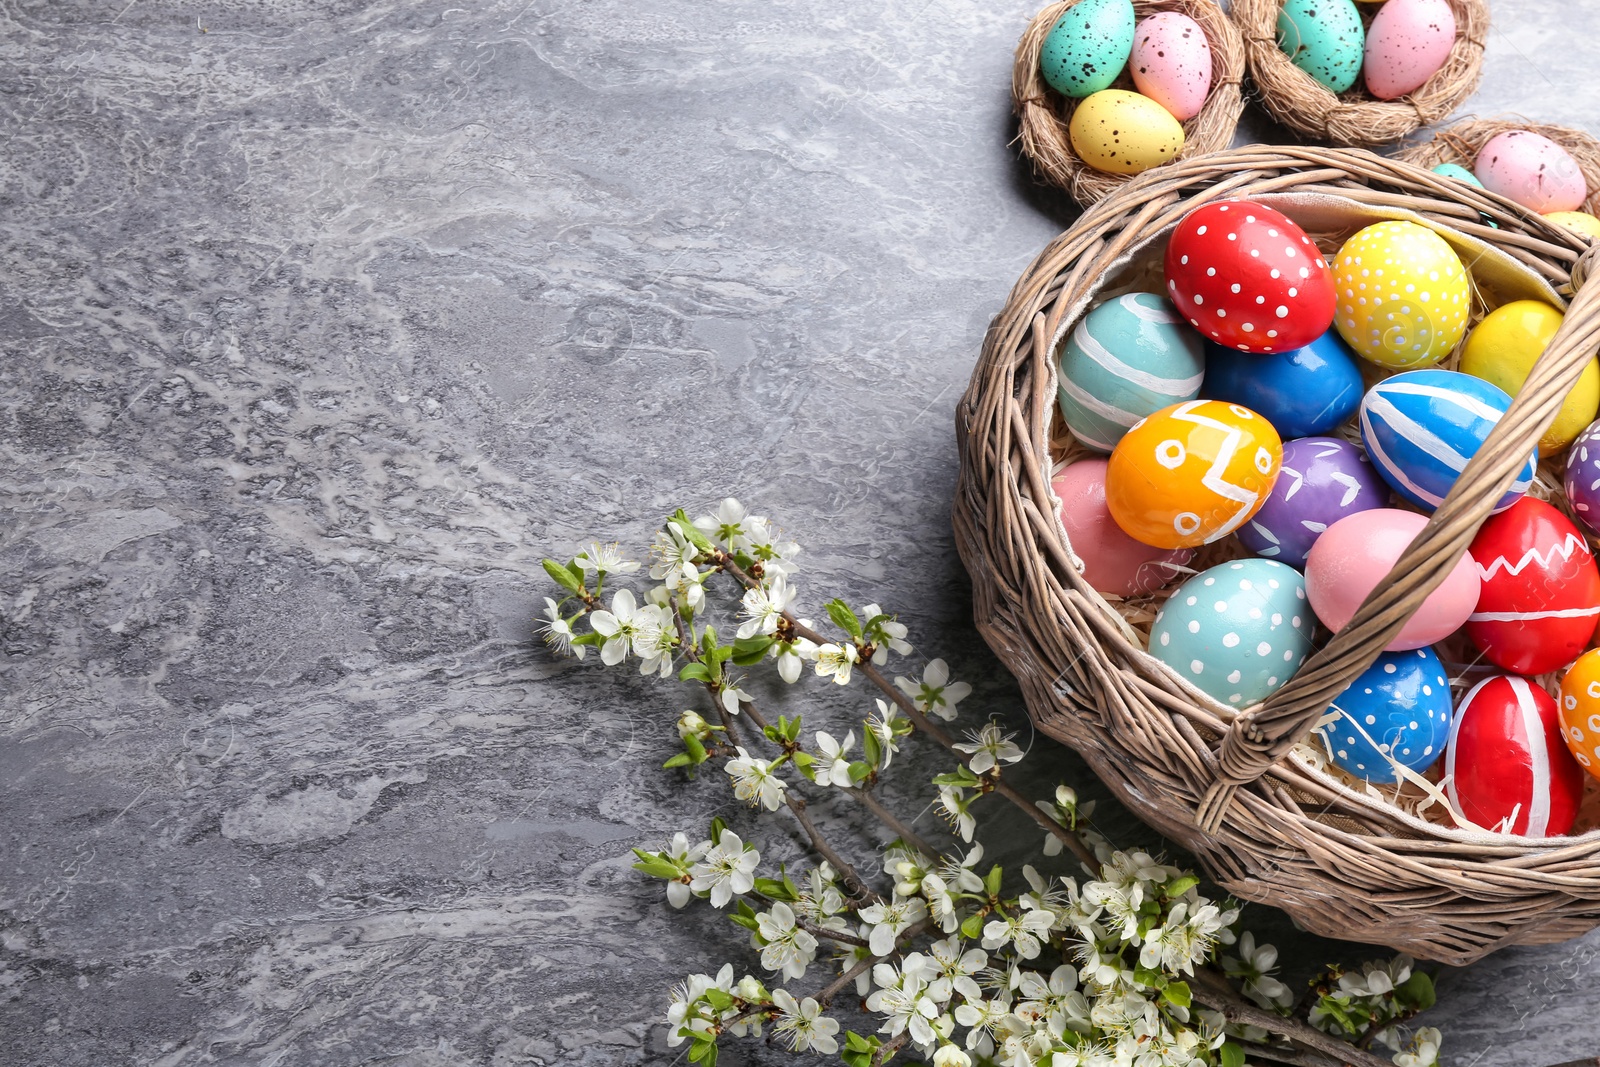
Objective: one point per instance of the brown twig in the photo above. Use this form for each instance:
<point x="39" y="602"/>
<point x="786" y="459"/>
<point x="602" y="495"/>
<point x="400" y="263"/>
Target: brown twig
<point x="887" y="1050"/>
<point x="893" y="822"/>
<point x="1213" y="990"/>
<point x="825" y="995"/>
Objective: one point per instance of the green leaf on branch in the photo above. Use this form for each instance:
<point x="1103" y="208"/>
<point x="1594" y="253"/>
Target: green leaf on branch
<point x="690" y="532"/>
<point x="844" y="618"/>
<point x="776" y="890"/>
<point x="563" y="577"/>
<point x="991" y="881"/>
<point x="874" y="748"/>
<point x="961" y="777"/>
<point x="591" y="638"/>
<point x="1149" y="978"/>
<point x="972" y="926"/>
<point x="718" y="999"/>
<point x="717" y="827"/>
<point x="1179" y="886"/>
<point x="704" y="1049"/>
<point x="696" y="751"/>
<point x="748" y="651"/>
<point x="694" y="672"/>
<point x="680" y="760"/>
<point x="858" y="1050"/>
<point x="1230" y="1055"/>
<point x="1416" y="993"/>
<point x="1177" y="993"/>
<point x="745" y="916"/>
<point x="656" y="867"/>
<point x="859" y="770"/>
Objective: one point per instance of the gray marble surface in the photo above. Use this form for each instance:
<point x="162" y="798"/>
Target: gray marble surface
<point x="323" y="321"/>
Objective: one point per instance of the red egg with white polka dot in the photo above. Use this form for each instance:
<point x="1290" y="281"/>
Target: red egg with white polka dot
<point x="1248" y="277"/>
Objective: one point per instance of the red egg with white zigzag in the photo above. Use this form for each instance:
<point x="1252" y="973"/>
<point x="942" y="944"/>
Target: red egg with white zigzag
<point x="1541" y="589"/>
<point x="1508" y="765"/>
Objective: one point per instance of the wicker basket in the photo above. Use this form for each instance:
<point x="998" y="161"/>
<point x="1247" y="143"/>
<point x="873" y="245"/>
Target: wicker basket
<point x="1265" y="822"/>
<point x="1460" y="142"/>
<point x="1043" y="114"/>
<point x="1302" y="103"/>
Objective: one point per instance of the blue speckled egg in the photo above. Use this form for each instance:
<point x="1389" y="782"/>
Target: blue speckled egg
<point x="1128" y="358"/>
<point x="1421" y="428"/>
<point x="1325" y="39"/>
<point x="1457" y="171"/>
<point x="1399" y="706"/>
<point x="1303" y="392"/>
<point x="1088" y="47"/>
<point x="1237" y="631"/>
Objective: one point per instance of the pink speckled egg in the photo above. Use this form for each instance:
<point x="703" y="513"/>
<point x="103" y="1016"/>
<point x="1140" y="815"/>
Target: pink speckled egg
<point x="1407" y="43"/>
<point x="1532" y="170"/>
<point x="1113" y="562"/>
<point x="1354" y="554"/>
<point x="1171" y="63"/>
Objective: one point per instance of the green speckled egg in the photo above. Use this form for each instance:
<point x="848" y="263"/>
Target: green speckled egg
<point x="1456" y="170"/>
<point x="1088" y="47"/>
<point x="1324" y="38"/>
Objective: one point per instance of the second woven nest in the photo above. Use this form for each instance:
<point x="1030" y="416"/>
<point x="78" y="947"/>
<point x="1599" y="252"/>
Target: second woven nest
<point x="1460" y="143"/>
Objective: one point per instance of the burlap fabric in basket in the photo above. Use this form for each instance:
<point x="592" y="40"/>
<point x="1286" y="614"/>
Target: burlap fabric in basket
<point x="1460" y="142"/>
<point x="1043" y="114"/>
<point x="1355" y="117"/>
<point x="1265" y="822"/>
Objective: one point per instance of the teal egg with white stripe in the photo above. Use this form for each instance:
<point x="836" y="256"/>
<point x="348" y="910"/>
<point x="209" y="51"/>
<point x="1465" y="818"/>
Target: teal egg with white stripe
<point x="1421" y="428"/>
<point x="1128" y="358"/>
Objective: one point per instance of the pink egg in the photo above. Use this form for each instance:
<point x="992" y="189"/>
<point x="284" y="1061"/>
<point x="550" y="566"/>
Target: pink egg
<point x="1407" y="43"/>
<point x="1532" y="170"/>
<point x="1171" y="63"/>
<point x="1113" y="562"/>
<point x="1354" y="554"/>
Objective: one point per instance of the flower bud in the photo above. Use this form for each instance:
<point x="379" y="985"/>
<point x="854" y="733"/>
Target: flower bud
<point x="951" y="1056"/>
<point x="690" y="724"/>
<point x="750" y="989"/>
<point x="1066" y="796"/>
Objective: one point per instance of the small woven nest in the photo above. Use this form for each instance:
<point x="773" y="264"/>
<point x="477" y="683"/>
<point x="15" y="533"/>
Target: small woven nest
<point x="1460" y="142"/>
<point x="1355" y="117"/>
<point x="1044" y="115"/>
<point x="1267" y="818"/>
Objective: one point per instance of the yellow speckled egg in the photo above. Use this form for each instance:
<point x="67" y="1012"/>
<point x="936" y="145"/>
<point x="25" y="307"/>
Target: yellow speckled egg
<point x="1501" y="349"/>
<point x="1124" y="133"/>
<point x="1581" y="221"/>
<point x="1403" y="295"/>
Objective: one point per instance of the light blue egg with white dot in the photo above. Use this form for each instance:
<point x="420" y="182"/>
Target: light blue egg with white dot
<point x="1399" y="709"/>
<point x="1128" y="358"/>
<point x="1238" y="631"/>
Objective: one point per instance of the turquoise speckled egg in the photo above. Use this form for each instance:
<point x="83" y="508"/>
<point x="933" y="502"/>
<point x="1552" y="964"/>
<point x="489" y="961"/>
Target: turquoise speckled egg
<point x="1237" y="631"/>
<point x="1128" y="358"/>
<point x="1324" y="38"/>
<point x="1088" y="47"/>
<point x="1456" y="170"/>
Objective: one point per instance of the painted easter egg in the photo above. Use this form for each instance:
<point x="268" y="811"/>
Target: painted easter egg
<point x="1577" y="221"/>
<point x="1508" y="767"/>
<point x="1356" y="553"/>
<point x="1421" y="428"/>
<point x="1171" y="63"/>
<point x="1501" y="350"/>
<point x="1113" y="562"/>
<point x="1119" y="132"/>
<point x="1403" y="295"/>
<point x="1088" y="47"/>
<point x="1302" y="392"/>
<point x="1127" y="358"/>
<point x="1407" y="43"/>
<point x="1541" y="589"/>
<point x="1532" y="170"/>
<point x="1321" y="480"/>
<point x="1458" y="172"/>
<point x="1192" y="473"/>
<point x="1580" y="711"/>
<point x="1237" y="631"/>
<point x="1582" y="481"/>
<point x="1248" y="277"/>
<point x="1398" y="709"/>
<point x="1324" y="38"/>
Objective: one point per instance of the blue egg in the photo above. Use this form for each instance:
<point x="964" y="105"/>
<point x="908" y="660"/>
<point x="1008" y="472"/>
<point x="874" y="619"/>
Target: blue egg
<point x="1421" y="428"/>
<point x="1238" y="631"/>
<point x="1128" y="358"/>
<point x="1088" y="47"/>
<point x="1460" y="173"/>
<point x="1304" y="392"/>
<point x="1400" y="708"/>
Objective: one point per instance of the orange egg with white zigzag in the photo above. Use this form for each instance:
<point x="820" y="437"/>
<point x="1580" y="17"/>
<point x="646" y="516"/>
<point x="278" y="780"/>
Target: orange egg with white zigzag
<point x="1192" y="473"/>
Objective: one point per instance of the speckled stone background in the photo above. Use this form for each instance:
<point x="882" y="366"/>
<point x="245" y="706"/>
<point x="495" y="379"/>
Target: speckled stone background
<point x="323" y="321"/>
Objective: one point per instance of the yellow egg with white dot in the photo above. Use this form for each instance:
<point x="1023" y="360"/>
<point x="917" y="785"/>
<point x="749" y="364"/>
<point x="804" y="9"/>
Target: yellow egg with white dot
<point x="1403" y="297"/>
<point x="1580" y="221"/>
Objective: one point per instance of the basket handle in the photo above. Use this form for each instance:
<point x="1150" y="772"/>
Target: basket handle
<point x="1259" y="738"/>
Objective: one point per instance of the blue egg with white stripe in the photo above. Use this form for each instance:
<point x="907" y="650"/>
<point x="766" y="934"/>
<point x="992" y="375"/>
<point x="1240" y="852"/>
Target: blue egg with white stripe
<point x="1128" y="358"/>
<point x="1398" y="709"/>
<point x="1421" y="427"/>
<point x="1304" y="392"/>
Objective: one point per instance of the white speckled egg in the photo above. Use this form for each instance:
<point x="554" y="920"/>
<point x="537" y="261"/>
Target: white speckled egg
<point x="1532" y="170"/>
<point x="1407" y="43"/>
<point x="1172" y="63"/>
<point x="1237" y="631"/>
<point x="1119" y="132"/>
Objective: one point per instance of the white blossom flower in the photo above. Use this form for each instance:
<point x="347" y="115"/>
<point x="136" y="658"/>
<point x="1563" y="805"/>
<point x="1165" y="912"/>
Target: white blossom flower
<point x="784" y="946"/>
<point x="1423" y="1051"/>
<point x="833" y="762"/>
<point x="904" y="1002"/>
<point x="689" y="991"/>
<point x="940" y="904"/>
<point x="674" y="556"/>
<point x="685" y="855"/>
<point x="802" y="1025"/>
<point x="558" y="632"/>
<point x="989" y="748"/>
<point x="763" y="544"/>
<point x="763" y="607"/>
<point x="1096" y="1055"/>
<point x="836" y="660"/>
<point x="754" y="782"/>
<point x="655" y="640"/>
<point x="604" y="559"/>
<point x="1103" y="970"/>
<point x="792" y="656"/>
<point x="883" y="921"/>
<point x="822" y="902"/>
<point x="883" y="726"/>
<point x="981" y="1017"/>
<point x="1184" y="940"/>
<point x="951" y="1056"/>
<point x="957" y="964"/>
<point x="1054" y="1002"/>
<point x="936" y="694"/>
<point x="1254" y="966"/>
<point x="960" y="873"/>
<point x="1022" y="930"/>
<point x="619" y="625"/>
<point x="726" y="525"/>
<point x="728" y="867"/>
<point x="887" y="635"/>
<point x="1376" y="977"/>
<point x="953" y="805"/>
<point x="730" y="697"/>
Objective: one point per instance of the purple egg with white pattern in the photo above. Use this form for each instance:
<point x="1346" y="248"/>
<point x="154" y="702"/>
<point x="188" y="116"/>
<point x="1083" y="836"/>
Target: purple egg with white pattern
<point x="1583" y="477"/>
<point x="1322" y="480"/>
